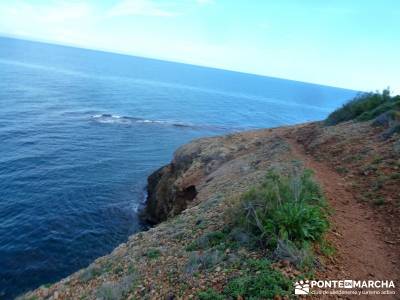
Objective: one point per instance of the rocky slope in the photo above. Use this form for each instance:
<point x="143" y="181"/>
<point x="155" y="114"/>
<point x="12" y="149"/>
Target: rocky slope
<point x="190" y="199"/>
<point x="205" y="166"/>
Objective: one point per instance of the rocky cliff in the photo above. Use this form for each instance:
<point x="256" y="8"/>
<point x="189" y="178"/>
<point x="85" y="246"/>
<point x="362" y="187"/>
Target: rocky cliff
<point x="190" y="198"/>
<point x="203" y="163"/>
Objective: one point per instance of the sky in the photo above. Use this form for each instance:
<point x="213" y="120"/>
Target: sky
<point x="345" y="43"/>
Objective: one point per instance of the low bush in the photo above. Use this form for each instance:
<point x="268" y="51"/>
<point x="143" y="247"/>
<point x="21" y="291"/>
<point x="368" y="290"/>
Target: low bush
<point x="259" y="281"/>
<point x="231" y="238"/>
<point x="153" y="253"/>
<point x="285" y="214"/>
<point x="392" y="107"/>
<point x="365" y="106"/>
<point x="289" y="208"/>
<point x="327" y="249"/>
<point x="210" y="294"/>
<point x="207" y="241"/>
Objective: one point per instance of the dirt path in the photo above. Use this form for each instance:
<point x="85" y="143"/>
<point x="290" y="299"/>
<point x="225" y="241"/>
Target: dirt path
<point x="362" y="251"/>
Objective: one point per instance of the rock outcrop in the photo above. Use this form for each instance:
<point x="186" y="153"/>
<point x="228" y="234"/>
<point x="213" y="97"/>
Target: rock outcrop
<point x="174" y="187"/>
<point x="165" y="195"/>
<point x="191" y="196"/>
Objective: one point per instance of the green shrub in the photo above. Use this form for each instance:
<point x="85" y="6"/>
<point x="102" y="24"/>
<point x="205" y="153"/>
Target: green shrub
<point x="210" y="294"/>
<point x="222" y="240"/>
<point x="379" y="201"/>
<point x="364" y="107"/>
<point x="342" y="170"/>
<point x="285" y="207"/>
<point x="395" y="176"/>
<point x="260" y="282"/>
<point x="297" y="221"/>
<point x="132" y="269"/>
<point x="327" y="248"/>
<point x="153" y="253"/>
<point x="390" y="106"/>
<point x="206" y="241"/>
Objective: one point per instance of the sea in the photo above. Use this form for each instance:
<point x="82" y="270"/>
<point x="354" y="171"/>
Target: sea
<point x="80" y="131"/>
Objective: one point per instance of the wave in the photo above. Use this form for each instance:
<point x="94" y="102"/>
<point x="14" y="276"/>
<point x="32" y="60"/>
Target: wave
<point x="125" y="120"/>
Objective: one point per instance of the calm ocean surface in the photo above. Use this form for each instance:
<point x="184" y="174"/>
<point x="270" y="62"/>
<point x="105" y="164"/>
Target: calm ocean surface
<point x="81" y="130"/>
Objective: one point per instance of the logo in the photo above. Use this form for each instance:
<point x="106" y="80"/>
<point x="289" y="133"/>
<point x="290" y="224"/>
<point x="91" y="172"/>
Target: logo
<point x="344" y="287"/>
<point x="302" y="287"/>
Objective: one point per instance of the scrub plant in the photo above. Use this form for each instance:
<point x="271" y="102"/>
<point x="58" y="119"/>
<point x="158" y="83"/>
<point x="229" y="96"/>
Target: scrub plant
<point x="290" y="208"/>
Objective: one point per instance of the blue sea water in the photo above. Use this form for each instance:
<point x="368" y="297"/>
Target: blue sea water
<point x="80" y="131"/>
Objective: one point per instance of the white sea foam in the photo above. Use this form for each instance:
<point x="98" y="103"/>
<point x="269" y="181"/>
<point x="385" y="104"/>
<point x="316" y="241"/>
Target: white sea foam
<point x="117" y="119"/>
<point x="111" y="119"/>
<point x="125" y="120"/>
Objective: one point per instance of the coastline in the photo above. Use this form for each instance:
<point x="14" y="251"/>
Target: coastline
<point x="189" y="198"/>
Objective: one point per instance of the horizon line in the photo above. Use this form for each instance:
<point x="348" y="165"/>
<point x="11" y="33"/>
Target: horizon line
<point x="110" y="51"/>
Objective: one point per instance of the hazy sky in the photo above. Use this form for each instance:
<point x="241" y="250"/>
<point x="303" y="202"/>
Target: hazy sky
<point x="345" y="43"/>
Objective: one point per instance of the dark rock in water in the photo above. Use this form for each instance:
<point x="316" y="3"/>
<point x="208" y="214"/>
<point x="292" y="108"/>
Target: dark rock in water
<point x="107" y="115"/>
<point x="180" y="125"/>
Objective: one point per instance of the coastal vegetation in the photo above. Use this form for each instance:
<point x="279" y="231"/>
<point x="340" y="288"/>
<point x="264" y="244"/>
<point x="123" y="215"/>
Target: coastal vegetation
<point x="259" y="281"/>
<point x="284" y="217"/>
<point x="244" y="216"/>
<point x="367" y="106"/>
<point x="285" y="208"/>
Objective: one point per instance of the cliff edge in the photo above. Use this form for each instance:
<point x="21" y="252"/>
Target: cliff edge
<point x="190" y="254"/>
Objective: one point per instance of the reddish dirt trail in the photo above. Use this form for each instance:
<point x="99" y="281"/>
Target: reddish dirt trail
<point x="362" y="252"/>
